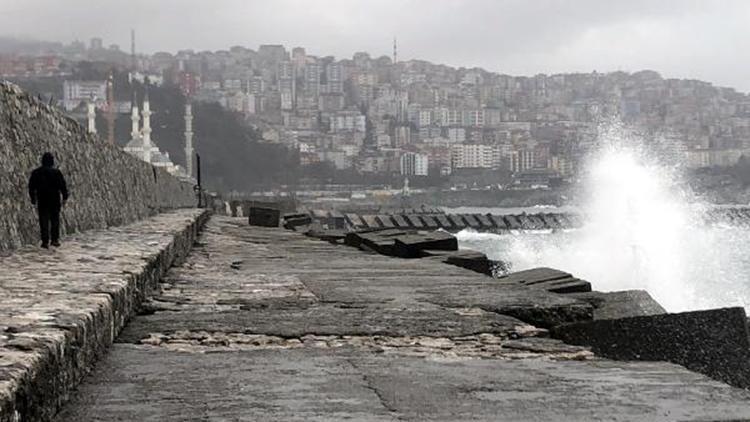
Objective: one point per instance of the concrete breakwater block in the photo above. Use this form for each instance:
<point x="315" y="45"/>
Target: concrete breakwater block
<point x="331" y="235"/>
<point x="401" y="243"/>
<point x="471" y="221"/>
<point x="512" y="223"/>
<point x="264" y="217"/>
<point x="713" y="342"/>
<point x="430" y="222"/>
<point x="379" y="241"/>
<point x="414" y="221"/>
<point x="385" y="221"/>
<point x="465" y="258"/>
<point x="444" y="222"/>
<point x="400" y="221"/>
<point x="296" y="220"/>
<point x="549" y="279"/>
<point x="622" y="304"/>
<point x="411" y="245"/>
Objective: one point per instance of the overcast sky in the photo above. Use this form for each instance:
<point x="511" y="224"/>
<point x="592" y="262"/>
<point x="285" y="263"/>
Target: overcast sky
<point x="707" y="40"/>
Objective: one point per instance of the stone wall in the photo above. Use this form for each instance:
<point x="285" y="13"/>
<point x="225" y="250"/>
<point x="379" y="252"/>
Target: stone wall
<point x="108" y="186"/>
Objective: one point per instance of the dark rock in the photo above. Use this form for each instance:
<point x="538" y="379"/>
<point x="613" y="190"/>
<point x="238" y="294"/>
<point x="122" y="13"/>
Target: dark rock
<point x="714" y="342"/>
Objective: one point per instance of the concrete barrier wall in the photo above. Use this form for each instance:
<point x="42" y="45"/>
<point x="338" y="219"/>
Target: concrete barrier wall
<point x="108" y="186"/>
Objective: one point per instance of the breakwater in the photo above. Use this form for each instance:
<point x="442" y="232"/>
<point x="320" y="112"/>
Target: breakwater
<point x="498" y="223"/>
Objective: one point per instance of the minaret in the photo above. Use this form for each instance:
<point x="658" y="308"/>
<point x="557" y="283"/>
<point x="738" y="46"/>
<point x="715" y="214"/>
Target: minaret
<point x="133" y="61"/>
<point x="189" y="138"/>
<point x="111" y="108"/>
<point x="395" y="56"/>
<point x="146" y="113"/>
<point x="135" y="132"/>
<point x="91" y="117"/>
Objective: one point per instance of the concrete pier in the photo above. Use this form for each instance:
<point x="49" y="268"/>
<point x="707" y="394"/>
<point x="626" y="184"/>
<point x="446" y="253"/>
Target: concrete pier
<point x="267" y="324"/>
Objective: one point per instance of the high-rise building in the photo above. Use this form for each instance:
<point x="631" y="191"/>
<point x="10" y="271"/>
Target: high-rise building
<point x="401" y="136"/>
<point x="299" y="58"/>
<point x="287" y="82"/>
<point x="413" y="164"/>
<point x="312" y="79"/>
<point x="335" y="78"/>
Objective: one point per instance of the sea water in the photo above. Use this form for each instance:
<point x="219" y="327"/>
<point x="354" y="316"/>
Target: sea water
<point x="643" y="229"/>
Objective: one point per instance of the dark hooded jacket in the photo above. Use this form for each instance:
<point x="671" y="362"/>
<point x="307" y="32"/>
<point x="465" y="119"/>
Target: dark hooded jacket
<point x="47" y="184"/>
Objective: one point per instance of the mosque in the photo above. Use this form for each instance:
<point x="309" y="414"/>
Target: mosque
<point x="142" y="146"/>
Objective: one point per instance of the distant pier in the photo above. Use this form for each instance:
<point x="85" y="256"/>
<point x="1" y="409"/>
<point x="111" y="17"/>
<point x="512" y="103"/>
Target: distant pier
<point x="433" y="219"/>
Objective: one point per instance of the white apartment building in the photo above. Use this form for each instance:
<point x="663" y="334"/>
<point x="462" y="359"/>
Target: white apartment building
<point x="457" y="135"/>
<point x="76" y="92"/>
<point x="348" y="122"/>
<point x="424" y="118"/>
<point x="413" y="164"/>
<point x="474" y="118"/>
<point x="522" y="160"/>
<point x="475" y="156"/>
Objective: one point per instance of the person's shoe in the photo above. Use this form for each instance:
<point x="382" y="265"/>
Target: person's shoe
<point x="45" y="246"/>
<point x="56" y="244"/>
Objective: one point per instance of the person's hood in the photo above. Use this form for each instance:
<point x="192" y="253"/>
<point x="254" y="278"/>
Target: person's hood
<point x="48" y="160"/>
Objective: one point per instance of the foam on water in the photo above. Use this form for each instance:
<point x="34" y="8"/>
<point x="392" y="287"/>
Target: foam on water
<point x="642" y="231"/>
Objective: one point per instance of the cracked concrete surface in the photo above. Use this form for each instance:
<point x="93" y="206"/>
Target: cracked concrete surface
<point x="265" y="324"/>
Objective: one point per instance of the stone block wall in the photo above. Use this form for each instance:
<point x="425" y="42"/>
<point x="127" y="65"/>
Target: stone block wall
<point x="108" y="186"/>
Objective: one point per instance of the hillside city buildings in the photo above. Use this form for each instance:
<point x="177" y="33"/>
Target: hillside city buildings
<point x="415" y="118"/>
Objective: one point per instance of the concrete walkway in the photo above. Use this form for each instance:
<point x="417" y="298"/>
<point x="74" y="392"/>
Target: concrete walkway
<point x="265" y="324"/>
<point x="60" y="309"/>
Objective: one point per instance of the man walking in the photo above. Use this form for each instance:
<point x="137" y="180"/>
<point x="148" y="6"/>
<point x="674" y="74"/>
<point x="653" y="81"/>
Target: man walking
<point x="46" y="187"/>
